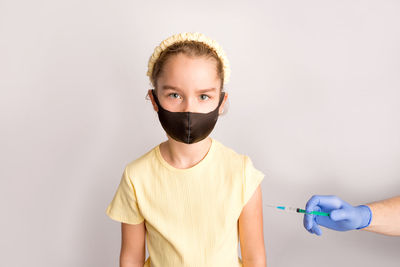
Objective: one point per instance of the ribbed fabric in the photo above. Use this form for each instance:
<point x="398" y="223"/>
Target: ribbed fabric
<point x="191" y="215"/>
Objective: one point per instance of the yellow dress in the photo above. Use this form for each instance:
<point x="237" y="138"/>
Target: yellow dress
<point x="191" y="215"/>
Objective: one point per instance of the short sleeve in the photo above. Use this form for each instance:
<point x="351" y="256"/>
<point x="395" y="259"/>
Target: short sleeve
<point x="124" y="207"/>
<point x="251" y="179"/>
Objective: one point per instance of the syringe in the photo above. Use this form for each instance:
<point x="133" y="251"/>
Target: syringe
<point x="298" y="210"/>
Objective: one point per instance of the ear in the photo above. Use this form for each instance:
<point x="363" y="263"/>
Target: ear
<point x="155" y="107"/>
<point x="221" y="108"/>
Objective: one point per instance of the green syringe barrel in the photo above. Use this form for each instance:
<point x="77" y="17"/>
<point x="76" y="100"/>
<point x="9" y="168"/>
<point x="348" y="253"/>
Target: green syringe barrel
<point x="313" y="212"/>
<point x="320" y="213"/>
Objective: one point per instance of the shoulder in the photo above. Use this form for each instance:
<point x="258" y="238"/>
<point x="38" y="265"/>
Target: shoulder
<point x="230" y="155"/>
<point x="236" y="161"/>
<point x="142" y="163"/>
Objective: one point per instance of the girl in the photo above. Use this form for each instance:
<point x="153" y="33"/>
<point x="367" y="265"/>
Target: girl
<point x="190" y="197"/>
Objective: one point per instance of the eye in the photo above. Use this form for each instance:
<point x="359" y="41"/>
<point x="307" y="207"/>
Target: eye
<point x="204" y="95"/>
<point x="175" y="94"/>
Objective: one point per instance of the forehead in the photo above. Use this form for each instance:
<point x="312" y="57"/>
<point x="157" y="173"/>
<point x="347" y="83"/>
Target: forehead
<point x="181" y="71"/>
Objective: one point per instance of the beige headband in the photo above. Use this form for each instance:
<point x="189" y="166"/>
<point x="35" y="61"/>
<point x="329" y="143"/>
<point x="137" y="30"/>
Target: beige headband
<point x="191" y="37"/>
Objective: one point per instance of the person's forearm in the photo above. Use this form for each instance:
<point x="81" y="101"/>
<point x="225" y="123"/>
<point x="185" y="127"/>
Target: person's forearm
<point x="259" y="263"/>
<point x="131" y="265"/>
<point x="125" y="263"/>
<point x="385" y="217"/>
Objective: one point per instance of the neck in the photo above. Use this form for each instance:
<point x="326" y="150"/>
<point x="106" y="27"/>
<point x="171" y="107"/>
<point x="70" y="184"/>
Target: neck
<point x="185" y="155"/>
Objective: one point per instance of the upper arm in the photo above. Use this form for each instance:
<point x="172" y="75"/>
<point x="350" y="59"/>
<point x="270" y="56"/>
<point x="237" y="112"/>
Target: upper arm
<point x="251" y="229"/>
<point x="133" y="248"/>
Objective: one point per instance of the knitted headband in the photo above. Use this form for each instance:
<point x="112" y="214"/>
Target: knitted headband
<point x="191" y="37"/>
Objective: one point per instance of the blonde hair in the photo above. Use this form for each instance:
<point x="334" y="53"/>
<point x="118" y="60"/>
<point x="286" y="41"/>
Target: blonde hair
<point x="190" y="44"/>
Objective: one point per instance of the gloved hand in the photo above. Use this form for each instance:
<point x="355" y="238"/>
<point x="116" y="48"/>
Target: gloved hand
<point x="343" y="216"/>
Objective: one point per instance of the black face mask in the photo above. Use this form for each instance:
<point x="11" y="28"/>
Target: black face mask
<point x="187" y="127"/>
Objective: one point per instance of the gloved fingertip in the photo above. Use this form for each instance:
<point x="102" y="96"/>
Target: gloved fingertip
<point x="318" y="231"/>
<point x="337" y="215"/>
<point x="308" y="224"/>
<point x="332" y="215"/>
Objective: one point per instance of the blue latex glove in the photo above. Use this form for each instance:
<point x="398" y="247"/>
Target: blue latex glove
<point x="343" y="216"/>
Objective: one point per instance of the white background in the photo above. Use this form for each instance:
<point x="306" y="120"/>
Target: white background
<point x="313" y="100"/>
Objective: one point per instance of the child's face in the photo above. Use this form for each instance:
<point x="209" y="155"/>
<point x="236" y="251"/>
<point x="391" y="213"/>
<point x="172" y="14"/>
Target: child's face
<point x="190" y="78"/>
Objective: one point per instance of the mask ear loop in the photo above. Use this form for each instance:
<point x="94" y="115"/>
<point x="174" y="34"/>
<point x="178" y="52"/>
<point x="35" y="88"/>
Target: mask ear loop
<point x="156" y="98"/>
<point x="147" y="96"/>
<point x="153" y="91"/>
<point x="221" y="99"/>
<point x="223" y="110"/>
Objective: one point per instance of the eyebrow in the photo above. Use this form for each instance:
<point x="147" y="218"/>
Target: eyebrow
<point x="169" y="87"/>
